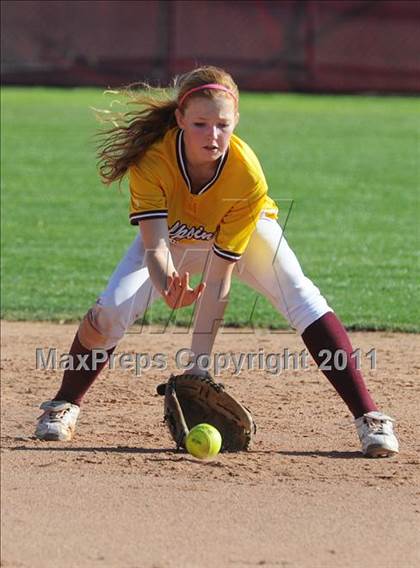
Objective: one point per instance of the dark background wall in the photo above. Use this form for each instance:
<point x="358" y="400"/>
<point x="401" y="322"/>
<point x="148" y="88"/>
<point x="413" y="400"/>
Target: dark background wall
<point x="297" y="45"/>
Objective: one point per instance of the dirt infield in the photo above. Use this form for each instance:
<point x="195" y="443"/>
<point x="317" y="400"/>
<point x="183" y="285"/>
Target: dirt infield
<point x="119" y="496"/>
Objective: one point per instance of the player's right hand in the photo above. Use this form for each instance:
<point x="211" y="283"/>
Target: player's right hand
<point x="178" y="292"/>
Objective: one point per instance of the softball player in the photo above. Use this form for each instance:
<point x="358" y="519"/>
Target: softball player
<point x="199" y="196"/>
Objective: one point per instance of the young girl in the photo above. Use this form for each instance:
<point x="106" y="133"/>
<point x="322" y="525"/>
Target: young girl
<point x="199" y="197"/>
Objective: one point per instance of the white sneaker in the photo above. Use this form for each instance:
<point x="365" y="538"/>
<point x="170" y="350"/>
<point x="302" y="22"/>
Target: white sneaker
<point x="377" y="435"/>
<point x="58" y="421"/>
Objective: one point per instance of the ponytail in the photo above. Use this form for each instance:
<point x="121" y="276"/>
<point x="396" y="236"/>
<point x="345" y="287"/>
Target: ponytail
<point x="133" y="133"/>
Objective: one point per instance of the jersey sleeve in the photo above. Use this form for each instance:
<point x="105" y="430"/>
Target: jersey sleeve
<point x="239" y="223"/>
<point x="147" y="198"/>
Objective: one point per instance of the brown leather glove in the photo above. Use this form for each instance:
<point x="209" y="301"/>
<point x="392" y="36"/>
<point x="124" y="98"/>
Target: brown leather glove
<point x="193" y="399"/>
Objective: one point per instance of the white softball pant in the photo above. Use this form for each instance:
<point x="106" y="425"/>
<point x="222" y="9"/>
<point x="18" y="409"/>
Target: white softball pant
<point x="268" y="266"/>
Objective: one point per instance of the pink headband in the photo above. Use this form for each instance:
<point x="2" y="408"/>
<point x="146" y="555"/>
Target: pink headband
<point x="215" y="86"/>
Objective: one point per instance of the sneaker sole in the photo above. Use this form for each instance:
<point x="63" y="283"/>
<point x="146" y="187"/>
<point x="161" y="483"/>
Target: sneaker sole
<point x="54" y="437"/>
<point x="379" y="452"/>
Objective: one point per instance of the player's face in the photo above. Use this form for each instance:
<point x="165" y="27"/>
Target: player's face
<point x="208" y="125"/>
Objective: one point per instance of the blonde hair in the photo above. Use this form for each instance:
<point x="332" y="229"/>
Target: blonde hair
<point x="134" y="131"/>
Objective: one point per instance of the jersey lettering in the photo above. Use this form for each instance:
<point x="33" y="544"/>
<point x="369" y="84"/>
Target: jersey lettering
<point x="180" y="231"/>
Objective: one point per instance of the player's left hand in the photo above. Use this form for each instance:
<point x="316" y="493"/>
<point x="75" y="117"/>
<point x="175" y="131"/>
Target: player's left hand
<point x="179" y="293"/>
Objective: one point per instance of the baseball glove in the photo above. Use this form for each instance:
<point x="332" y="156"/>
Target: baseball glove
<point x="193" y="399"/>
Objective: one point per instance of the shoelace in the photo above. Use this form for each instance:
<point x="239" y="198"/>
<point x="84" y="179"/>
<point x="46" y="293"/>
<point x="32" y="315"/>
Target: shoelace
<point x="375" y="424"/>
<point x="54" y="415"/>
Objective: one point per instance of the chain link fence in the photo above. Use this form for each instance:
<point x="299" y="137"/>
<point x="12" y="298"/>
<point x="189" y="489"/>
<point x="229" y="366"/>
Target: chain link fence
<point x="296" y="45"/>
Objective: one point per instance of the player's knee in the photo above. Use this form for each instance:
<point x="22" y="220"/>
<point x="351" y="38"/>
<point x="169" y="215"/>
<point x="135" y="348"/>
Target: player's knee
<point x="308" y="306"/>
<point x="102" y="327"/>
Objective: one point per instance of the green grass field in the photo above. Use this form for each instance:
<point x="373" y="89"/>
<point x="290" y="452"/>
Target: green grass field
<point x="350" y="165"/>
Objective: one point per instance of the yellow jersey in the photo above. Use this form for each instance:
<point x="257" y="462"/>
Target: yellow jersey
<point x="224" y="211"/>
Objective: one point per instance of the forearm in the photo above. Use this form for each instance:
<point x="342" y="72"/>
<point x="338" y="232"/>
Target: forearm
<point x="160" y="265"/>
<point x="159" y="261"/>
<point x="209" y="316"/>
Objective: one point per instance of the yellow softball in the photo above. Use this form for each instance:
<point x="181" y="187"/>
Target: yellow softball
<point x="204" y="441"/>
